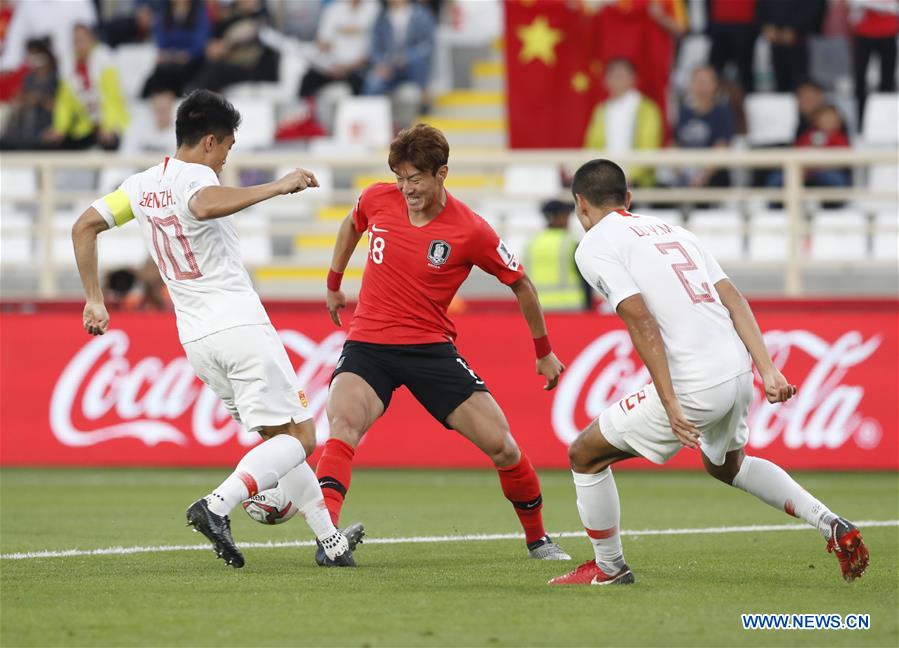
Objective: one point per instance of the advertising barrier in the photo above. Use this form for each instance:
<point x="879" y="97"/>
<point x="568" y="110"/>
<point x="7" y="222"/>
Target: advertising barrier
<point x="130" y="397"/>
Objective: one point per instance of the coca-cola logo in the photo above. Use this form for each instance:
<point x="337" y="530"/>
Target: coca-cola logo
<point x="148" y="397"/>
<point x="824" y="413"/>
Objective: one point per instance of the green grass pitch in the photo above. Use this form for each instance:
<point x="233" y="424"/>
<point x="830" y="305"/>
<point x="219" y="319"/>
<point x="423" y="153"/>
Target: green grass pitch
<point x="691" y="589"/>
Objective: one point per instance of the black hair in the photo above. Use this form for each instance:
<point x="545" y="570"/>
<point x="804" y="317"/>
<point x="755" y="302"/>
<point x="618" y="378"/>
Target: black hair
<point x="202" y="113"/>
<point x="600" y="182"/>
<point x="42" y="46"/>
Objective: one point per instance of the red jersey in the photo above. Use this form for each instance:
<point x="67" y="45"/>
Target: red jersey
<point x="412" y="273"/>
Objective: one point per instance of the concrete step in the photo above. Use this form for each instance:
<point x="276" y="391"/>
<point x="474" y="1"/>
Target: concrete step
<point x="470" y="104"/>
<point x="489" y="75"/>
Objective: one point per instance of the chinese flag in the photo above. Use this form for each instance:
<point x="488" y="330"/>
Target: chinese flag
<point x="556" y="51"/>
<point x="551" y="78"/>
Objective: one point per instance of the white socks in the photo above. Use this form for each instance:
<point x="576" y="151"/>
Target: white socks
<point x="301" y="486"/>
<point x="772" y="485"/>
<point x="597" y="502"/>
<point x="259" y="469"/>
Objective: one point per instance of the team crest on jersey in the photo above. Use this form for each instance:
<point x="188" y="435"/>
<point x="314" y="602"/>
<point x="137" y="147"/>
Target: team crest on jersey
<point x="507" y="256"/>
<point x="438" y="252"/>
<point x="303" y="400"/>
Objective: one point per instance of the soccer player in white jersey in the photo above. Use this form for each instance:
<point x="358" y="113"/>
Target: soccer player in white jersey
<point x="695" y="333"/>
<point x="184" y="215"/>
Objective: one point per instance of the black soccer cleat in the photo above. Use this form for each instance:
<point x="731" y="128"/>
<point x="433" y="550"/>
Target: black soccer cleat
<point x="217" y="528"/>
<point x="353" y="534"/>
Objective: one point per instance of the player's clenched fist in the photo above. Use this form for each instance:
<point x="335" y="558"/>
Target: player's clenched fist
<point x="95" y="318"/>
<point x="550" y="368"/>
<point x="297" y="180"/>
<point x="777" y="389"/>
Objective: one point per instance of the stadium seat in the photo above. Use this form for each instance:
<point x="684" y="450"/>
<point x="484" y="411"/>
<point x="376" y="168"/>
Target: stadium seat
<point x="670" y="216"/>
<point x="257" y="124"/>
<point x="880" y="120"/>
<point x="324" y="175"/>
<point x="364" y="122"/>
<point x="839" y="235"/>
<point x="255" y="241"/>
<point x="18" y="182"/>
<point x="720" y="230"/>
<point x="771" y="118"/>
<point x="768" y="236"/>
<point x="885" y="236"/>
<point x="693" y="51"/>
<point x="134" y="62"/>
<point x="533" y="181"/>
<point x="15" y="236"/>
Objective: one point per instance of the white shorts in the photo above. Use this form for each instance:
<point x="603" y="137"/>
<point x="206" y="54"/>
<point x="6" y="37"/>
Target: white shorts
<point x="639" y="425"/>
<point x="248" y="368"/>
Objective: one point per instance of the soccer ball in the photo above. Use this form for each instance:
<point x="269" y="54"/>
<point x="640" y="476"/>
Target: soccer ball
<point x="270" y="506"/>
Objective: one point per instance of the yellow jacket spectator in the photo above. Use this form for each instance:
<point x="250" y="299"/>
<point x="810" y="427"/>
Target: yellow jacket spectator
<point x="549" y="260"/>
<point x="90" y="108"/>
<point x="626" y="121"/>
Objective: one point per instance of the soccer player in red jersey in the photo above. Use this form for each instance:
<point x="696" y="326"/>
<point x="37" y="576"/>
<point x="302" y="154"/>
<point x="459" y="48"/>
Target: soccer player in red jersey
<point x="422" y="245"/>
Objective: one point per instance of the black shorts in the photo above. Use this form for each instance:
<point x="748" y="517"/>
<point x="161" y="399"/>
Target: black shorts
<point x="436" y="374"/>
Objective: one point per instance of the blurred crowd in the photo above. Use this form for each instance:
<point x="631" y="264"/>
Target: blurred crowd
<point x="57" y="71"/>
<point x="63" y="91"/>
<point x="708" y="110"/>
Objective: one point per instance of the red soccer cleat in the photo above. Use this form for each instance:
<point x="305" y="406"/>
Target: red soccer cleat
<point x="846" y="542"/>
<point x="590" y="574"/>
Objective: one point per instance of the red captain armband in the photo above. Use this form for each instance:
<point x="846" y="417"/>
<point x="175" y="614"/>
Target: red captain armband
<point x="334" y="279"/>
<point x="542" y="347"/>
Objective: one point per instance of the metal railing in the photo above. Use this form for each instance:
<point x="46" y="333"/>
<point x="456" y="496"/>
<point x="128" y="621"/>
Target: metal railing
<point x="792" y="194"/>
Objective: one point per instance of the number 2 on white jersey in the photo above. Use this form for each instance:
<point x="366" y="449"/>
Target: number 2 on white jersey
<point x="158" y="225"/>
<point x="681" y="268"/>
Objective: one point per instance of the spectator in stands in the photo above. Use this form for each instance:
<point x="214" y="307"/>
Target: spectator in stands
<point x="786" y="25"/>
<point x="810" y="98"/>
<point x="131" y="24"/>
<point x="90" y="107"/>
<point x="236" y="53"/>
<point x="55" y="19"/>
<point x="344" y="42"/>
<point x="875" y="26"/>
<point x="402" y="46"/>
<point x="826" y="130"/>
<point x="180" y="34"/>
<point x="154" y="132"/>
<point x="32" y="108"/>
<point x="627" y="120"/>
<point x="549" y="258"/>
<point x="733" y="32"/>
<point x="704" y="122"/>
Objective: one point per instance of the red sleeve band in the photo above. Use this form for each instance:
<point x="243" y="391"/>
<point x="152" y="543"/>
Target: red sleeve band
<point x="334" y="279"/>
<point x="542" y="347"/>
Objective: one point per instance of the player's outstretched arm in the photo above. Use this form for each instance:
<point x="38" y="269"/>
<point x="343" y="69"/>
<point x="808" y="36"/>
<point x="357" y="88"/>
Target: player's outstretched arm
<point x="777" y="389"/>
<point x="347" y="239"/>
<point x="216" y="202"/>
<point x="647" y="339"/>
<point x="548" y="365"/>
<point x="84" y="239"/>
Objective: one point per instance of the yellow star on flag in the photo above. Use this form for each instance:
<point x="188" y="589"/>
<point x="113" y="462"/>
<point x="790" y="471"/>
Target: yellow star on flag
<point x="538" y="41"/>
<point x="580" y="82"/>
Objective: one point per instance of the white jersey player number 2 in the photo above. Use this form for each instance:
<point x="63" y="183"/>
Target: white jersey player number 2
<point x="680" y="269"/>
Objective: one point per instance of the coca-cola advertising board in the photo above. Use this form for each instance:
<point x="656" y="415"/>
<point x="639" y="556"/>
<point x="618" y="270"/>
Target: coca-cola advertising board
<point x="131" y="398"/>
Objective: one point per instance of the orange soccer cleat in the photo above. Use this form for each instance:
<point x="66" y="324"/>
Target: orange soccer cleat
<point x="846" y="542"/>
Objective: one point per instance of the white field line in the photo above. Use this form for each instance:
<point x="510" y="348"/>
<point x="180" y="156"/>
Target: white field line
<point x="122" y="551"/>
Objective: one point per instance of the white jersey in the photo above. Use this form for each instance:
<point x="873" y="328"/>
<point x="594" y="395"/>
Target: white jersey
<point x="626" y="254"/>
<point x="199" y="261"/>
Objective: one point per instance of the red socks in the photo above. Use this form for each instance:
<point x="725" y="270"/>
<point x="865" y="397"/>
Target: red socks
<point x="522" y="487"/>
<point x="334" y="472"/>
